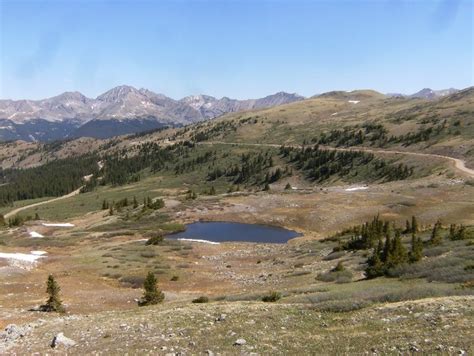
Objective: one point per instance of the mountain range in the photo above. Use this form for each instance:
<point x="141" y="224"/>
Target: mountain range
<point x="124" y="110"/>
<point x="121" y="110"/>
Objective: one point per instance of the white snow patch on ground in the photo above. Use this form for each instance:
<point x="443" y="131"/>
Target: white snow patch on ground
<point x="202" y="241"/>
<point x="334" y="114"/>
<point x="35" y="234"/>
<point x="38" y="253"/>
<point x="354" y="101"/>
<point x="58" y="225"/>
<point x="356" y="188"/>
<point x="22" y="260"/>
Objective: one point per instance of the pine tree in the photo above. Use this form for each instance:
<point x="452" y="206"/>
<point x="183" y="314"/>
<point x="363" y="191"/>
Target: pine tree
<point x="407" y="227"/>
<point x="105" y="205"/>
<point x="461" y="233"/>
<point x="212" y="191"/>
<point x="287" y="186"/>
<point x="37" y="217"/>
<point x="111" y="210"/>
<point x="452" y="232"/>
<point x="135" y="202"/>
<point x="416" y="252"/>
<point x="386" y="249"/>
<point x="375" y="267"/>
<point x="53" y="304"/>
<point x="414" y="224"/>
<point x="436" y="238"/>
<point x="398" y="253"/>
<point x="151" y="294"/>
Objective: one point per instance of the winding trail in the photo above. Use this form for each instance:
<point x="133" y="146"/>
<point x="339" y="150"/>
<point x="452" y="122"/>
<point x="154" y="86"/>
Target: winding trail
<point x="17" y="210"/>
<point x="459" y="164"/>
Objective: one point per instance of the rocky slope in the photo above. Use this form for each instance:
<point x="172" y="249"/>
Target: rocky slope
<point x="442" y="325"/>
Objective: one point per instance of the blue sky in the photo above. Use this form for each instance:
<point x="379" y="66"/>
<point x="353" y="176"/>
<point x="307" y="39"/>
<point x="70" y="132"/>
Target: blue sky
<point x="241" y="49"/>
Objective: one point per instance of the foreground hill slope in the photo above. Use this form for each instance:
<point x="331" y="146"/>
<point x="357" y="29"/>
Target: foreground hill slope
<point x="255" y="328"/>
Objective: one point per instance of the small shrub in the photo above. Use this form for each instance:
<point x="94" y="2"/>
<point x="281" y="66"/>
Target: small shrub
<point x="155" y="240"/>
<point x="148" y="254"/>
<point x="272" y="297"/>
<point x="132" y="281"/>
<point x="344" y="276"/>
<point x="334" y="256"/>
<point x="201" y="299"/>
<point x="339" y="267"/>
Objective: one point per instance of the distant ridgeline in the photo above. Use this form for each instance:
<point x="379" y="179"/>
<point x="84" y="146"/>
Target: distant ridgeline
<point x="257" y="167"/>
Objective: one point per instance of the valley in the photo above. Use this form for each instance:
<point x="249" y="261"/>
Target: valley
<point x="346" y="176"/>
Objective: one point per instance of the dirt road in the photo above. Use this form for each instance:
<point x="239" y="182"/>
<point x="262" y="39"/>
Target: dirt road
<point x="17" y="210"/>
<point x="458" y="163"/>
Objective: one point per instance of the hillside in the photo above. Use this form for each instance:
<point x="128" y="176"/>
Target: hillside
<point x="359" y="118"/>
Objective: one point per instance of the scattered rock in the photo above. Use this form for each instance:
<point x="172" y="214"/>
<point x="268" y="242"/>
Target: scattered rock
<point x="60" y="339"/>
<point x="12" y="332"/>
<point x="240" y="342"/>
<point x="221" y="317"/>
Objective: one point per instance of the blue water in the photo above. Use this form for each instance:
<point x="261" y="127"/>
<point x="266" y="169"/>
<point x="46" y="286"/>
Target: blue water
<point x="230" y="231"/>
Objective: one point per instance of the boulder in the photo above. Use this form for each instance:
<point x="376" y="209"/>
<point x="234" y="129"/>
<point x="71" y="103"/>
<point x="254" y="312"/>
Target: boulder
<point x="60" y="339"/>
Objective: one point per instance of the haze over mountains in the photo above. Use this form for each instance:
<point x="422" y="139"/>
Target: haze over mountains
<point x="124" y="110"/>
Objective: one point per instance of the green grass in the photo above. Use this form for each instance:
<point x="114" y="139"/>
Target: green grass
<point x="22" y="203"/>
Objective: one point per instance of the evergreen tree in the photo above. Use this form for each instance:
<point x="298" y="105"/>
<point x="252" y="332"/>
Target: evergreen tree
<point x="151" y="293"/>
<point x="398" y="253"/>
<point x="416" y="252"/>
<point x="407" y="227"/>
<point x="37" y="217"/>
<point x="135" y="202"/>
<point x="212" y="191"/>
<point x="375" y="267"/>
<point x="287" y="186"/>
<point x="111" y="210"/>
<point x="2" y="220"/>
<point x="105" y="205"/>
<point x="436" y="238"/>
<point x="414" y="224"/>
<point x="53" y="304"/>
<point x="461" y="235"/>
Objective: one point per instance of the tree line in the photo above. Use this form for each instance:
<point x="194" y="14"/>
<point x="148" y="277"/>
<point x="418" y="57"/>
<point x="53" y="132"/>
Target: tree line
<point x="52" y="179"/>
